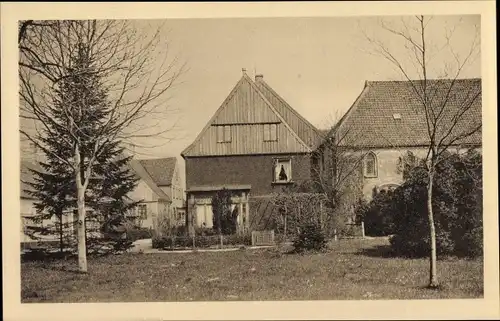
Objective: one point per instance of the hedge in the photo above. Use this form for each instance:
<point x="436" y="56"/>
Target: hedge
<point x="200" y="241"/>
<point x="139" y="234"/>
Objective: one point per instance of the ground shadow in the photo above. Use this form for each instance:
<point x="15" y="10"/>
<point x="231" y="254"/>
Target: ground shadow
<point x="382" y="251"/>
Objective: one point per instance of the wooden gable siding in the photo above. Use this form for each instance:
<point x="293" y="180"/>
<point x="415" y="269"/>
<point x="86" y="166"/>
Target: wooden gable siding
<point x="245" y="106"/>
<point x="245" y="110"/>
<point x="247" y="139"/>
<point x="306" y="131"/>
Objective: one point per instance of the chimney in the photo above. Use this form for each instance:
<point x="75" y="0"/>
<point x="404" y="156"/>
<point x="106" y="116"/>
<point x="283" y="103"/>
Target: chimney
<point x="244" y="70"/>
<point x="259" y="77"/>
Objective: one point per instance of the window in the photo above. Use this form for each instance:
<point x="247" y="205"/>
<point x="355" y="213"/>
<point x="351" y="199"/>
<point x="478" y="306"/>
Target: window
<point x="282" y="171"/>
<point x="224" y="134"/>
<point x="370" y="165"/>
<point x="142" y="211"/>
<point x="270" y="132"/>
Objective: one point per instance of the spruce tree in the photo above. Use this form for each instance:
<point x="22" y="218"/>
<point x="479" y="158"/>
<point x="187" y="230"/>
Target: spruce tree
<point x="111" y="180"/>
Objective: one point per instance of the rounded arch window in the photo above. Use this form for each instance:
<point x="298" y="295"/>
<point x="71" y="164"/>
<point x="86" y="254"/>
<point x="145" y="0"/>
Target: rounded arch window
<point x="370" y="165"/>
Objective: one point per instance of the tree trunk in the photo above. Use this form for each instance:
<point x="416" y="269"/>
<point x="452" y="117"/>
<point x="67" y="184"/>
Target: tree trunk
<point x="285" y="227"/>
<point x="61" y="242"/>
<point x="82" y="247"/>
<point x="433" y="281"/>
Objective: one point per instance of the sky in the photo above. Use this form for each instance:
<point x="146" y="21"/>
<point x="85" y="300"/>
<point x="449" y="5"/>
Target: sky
<point x="318" y="65"/>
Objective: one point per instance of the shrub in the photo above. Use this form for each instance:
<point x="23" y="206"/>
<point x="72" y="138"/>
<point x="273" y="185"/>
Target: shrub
<point x="310" y="238"/>
<point x="140" y="233"/>
<point x="294" y="208"/>
<point x="238" y="239"/>
<point x="457" y="207"/>
<point x="378" y="214"/>
<point x="200" y="241"/>
<point x="471" y="243"/>
<point x="224" y="219"/>
<point x="205" y="231"/>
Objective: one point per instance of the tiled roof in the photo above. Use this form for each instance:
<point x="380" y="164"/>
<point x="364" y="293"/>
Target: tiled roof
<point x="161" y="170"/>
<point x="143" y="174"/>
<point x="389" y="113"/>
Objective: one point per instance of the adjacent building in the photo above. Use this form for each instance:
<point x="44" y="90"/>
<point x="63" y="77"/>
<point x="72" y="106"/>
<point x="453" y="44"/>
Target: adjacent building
<point x="159" y="190"/>
<point x="387" y="121"/>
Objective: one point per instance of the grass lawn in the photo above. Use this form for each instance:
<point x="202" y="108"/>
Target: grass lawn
<point x="352" y="269"/>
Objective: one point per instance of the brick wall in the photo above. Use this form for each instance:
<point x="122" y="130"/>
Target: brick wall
<point x="255" y="170"/>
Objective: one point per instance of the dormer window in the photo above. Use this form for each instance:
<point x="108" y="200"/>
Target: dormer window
<point x="396" y="116"/>
<point x="270" y="132"/>
<point x="224" y="134"/>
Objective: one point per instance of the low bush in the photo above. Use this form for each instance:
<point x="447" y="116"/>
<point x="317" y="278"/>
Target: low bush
<point x="41" y="254"/>
<point x="310" y="238"/>
<point x="205" y="231"/>
<point x="378" y="214"/>
<point x="139" y="234"/>
<point x="200" y="241"/>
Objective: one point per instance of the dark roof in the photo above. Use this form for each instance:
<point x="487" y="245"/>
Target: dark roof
<point x="389" y="114"/>
<point x="143" y="174"/>
<point x="28" y="177"/>
<point x="161" y="170"/>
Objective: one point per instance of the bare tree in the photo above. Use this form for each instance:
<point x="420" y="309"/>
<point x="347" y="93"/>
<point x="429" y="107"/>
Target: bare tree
<point x="449" y="105"/>
<point x="134" y="69"/>
<point x="338" y="170"/>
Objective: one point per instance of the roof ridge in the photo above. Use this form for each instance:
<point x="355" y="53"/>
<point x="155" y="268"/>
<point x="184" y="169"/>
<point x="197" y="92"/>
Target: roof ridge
<point x="351" y="109"/>
<point x="148" y="180"/>
<point x="214" y="116"/>
<point x="157" y="158"/>
<point x="373" y="114"/>
<point x="428" y="79"/>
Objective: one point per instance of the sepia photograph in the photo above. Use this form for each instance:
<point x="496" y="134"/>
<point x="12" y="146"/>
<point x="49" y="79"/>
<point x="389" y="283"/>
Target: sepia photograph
<point x="236" y="159"/>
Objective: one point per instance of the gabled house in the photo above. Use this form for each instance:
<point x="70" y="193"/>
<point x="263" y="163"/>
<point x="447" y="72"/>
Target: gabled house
<point x="386" y="121"/>
<point x="254" y="144"/>
<point x="161" y="190"/>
